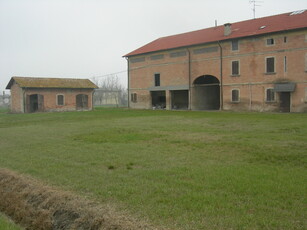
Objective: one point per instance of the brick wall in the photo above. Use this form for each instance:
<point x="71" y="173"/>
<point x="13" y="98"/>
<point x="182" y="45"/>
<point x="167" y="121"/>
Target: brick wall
<point x="289" y="51"/>
<point x="17" y="102"/>
<point x="20" y="96"/>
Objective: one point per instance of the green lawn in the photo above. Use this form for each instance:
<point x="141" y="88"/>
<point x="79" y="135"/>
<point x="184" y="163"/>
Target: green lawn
<point x="6" y="224"/>
<point x="185" y="170"/>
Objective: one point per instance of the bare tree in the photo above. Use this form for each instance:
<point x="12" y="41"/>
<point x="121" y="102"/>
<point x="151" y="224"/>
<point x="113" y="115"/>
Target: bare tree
<point x="110" y="90"/>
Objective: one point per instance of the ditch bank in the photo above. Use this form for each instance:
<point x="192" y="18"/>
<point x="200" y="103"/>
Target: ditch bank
<point x="34" y="205"/>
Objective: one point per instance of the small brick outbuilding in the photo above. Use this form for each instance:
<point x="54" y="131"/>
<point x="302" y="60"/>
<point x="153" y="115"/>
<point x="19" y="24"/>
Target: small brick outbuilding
<point x="29" y="94"/>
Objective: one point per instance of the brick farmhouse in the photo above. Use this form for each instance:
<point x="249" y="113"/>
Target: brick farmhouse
<point x="255" y="65"/>
<point x="50" y="94"/>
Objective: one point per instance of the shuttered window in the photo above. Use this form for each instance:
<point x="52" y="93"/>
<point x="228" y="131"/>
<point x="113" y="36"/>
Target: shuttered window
<point x="178" y="54"/>
<point x="235" y="95"/>
<point x="270" y="95"/>
<point x="60" y="99"/>
<point x="234" y="45"/>
<point x="235" y="68"/>
<point x="206" y="50"/>
<point x="270" y="65"/>
<point x="133" y="97"/>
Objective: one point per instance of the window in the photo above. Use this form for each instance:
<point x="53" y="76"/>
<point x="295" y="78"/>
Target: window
<point x="270" y="95"/>
<point x="206" y="50"/>
<point x="157" y="79"/>
<point x="285" y="39"/>
<point x="306" y="94"/>
<point x="135" y="60"/>
<point x="235" y="71"/>
<point x="306" y="62"/>
<point x="285" y="64"/>
<point x="134" y="97"/>
<point x="235" y="95"/>
<point x="178" y="54"/>
<point x="270" y="65"/>
<point x="60" y="99"/>
<point x="270" y="41"/>
<point x="157" y="57"/>
<point x="234" y="45"/>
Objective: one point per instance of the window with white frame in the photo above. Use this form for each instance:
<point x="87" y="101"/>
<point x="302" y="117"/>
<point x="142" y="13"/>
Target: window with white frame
<point x="235" y="95"/>
<point x="60" y="99"/>
<point x="234" y="45"/>
<point x="270" y="41"/>
<point x="270" y="95"/>
<point x="270" y="64"/>
<point x="235" y="68"/>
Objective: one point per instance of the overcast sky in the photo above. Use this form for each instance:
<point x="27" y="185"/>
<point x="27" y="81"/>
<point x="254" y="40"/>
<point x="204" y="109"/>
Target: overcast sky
<point x="87" y="38"/>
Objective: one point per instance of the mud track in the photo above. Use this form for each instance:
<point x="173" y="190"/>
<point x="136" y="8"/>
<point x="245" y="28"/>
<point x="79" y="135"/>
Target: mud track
<point x="34" y="205"/>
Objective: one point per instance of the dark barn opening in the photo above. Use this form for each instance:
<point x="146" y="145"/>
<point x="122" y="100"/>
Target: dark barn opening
<point x="158" y="99"/>
<point x="206" y="93"/>
<point x="81" y="101"/>
<point x="180" y="99"/>
<point x="35" y="103"/>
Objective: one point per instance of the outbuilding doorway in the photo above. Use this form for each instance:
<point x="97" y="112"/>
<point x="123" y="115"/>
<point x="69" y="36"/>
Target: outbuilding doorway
<point x="81" y="101"/>
<point x="206" y="93"/>
<point x="35" y="103"/>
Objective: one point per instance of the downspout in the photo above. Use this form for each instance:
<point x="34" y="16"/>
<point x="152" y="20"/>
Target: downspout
<point x="221" y="75"/>
<point x="24" y="100"/>
<point x="93" y="99"/>
<point x="189" y="75"/>
<point x="128" y="75"/>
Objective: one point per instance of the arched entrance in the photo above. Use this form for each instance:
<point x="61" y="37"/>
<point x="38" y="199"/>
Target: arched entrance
<point x="206" y="93"/>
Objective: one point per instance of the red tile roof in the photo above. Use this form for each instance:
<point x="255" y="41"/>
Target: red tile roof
<point x="67" y="83"/>
<point x="253" y="27"/>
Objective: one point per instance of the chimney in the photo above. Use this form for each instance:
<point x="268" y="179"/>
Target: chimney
<point x="227" y="29"/>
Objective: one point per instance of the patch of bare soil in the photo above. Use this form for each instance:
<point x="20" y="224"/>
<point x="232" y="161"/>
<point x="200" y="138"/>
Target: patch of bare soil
<point x="36" y="206"/>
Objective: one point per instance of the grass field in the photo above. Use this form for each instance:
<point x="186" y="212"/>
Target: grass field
<point x="183" y="170"/>
<point x="6" y="224"/>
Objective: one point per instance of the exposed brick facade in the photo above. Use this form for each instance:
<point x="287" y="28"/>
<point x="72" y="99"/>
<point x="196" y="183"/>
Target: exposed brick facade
<point x="25" y="100"/>
<point x="212" y="71"/>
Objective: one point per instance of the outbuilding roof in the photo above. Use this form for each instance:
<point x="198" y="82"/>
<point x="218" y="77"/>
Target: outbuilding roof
<point x="68" y="83"/>
<point x="253" y="27"/>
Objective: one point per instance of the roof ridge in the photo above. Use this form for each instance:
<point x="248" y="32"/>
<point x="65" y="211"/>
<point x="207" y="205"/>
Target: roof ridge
<point x="51" y="78"/>
<point x="41" y="82"/>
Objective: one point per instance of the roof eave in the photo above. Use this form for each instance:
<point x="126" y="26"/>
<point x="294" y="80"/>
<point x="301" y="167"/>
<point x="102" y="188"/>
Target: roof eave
<point x="9" y="85"/>
<point x="220" y="40"/>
